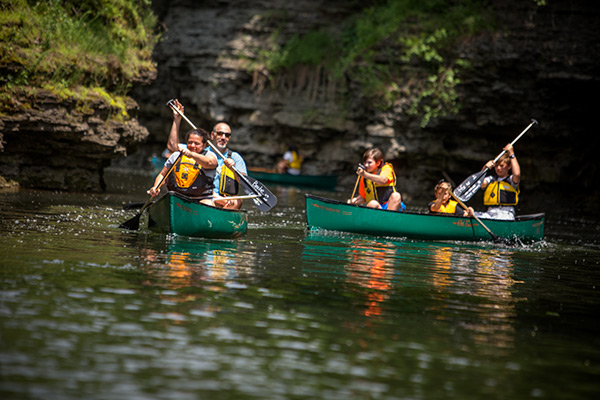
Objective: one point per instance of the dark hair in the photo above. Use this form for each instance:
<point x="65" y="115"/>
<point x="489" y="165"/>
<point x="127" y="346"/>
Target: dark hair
<point x="374" y="153"/>
<point x="198" y="132"/>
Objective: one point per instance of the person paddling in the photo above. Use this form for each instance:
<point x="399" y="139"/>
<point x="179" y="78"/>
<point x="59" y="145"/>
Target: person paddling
<point x="377" y="183"/>
<point x="502" y="191"/>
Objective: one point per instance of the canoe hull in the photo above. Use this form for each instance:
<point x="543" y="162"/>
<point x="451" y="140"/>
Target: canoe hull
<point x="325" y="182"/>
<point x="175" y="213"/>
<point x="330" y="214"/>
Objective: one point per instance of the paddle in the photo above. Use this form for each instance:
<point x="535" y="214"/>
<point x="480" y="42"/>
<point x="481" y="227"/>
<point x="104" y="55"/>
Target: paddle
<point x="356" y="184"/>
<point x="472" y="184"/>
<point x="134" y="223"/>
<point x="265" y="200"/>
<point x="496" y="238"/>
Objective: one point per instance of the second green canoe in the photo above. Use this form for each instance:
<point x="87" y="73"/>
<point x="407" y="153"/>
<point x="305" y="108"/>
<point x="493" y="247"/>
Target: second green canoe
<point x="322" y="213"/>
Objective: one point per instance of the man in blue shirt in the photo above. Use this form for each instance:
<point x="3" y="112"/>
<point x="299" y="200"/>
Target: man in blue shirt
<point x="226" y="183"/>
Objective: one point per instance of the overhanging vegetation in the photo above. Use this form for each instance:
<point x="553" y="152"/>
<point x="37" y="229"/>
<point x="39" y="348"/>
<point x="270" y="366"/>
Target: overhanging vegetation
<point x="75" y="48"/>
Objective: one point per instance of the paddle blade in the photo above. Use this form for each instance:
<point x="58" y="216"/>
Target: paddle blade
<point x="265" y="200"/>
<point x="132" y="224"/>
<point x="470" y="186"/>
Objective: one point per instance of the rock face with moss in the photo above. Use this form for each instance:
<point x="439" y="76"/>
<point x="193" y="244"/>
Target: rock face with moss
<point x="538" y="59"/>
<point x="66" y="69"/>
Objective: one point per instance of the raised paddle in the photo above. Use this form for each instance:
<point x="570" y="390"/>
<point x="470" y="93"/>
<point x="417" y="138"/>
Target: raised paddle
<point x="496" y="238"/>
<point x="134" y="223"/>
<point x="265" y="200"/>
<point x="472" y="184"/>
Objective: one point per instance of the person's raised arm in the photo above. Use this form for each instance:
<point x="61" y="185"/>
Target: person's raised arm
<point x="173" y="140"/>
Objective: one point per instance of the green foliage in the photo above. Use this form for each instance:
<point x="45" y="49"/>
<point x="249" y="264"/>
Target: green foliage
<point x="310" y="49"/>
<point x="406" y="33"/>
<point x="62" y="44"/>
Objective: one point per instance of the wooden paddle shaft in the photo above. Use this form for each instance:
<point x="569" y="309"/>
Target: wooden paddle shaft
<point x="357" y="179"/>
<point x="494" y="236"/>
<point x="162" y="180"/>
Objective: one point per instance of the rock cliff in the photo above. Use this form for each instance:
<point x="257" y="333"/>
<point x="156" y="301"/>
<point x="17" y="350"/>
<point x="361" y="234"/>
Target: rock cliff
<point x="541" y="62"/>
<point x="50" y="144"/>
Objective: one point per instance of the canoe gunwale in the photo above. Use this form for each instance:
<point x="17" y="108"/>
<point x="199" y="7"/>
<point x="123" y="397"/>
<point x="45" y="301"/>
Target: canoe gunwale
<point x="197" y="201"/>
<point x="523" y="217"/>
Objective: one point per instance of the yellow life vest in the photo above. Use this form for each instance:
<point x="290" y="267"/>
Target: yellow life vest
<point x="186" y="172"/>
<point x="500" y="193"/>
<point x="296" y="161"/>
<point x="190" y="178"/>
<point x="449" y="208"/>
<point x="381" y="193"/>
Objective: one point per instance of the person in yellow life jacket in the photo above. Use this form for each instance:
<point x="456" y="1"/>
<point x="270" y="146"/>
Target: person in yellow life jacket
<point x="444" y="204"/>
<point x="377" y="183"/>
<point x="502" y="191"/>
<point x="194" y="171"/>
<point x="291" y="162"/>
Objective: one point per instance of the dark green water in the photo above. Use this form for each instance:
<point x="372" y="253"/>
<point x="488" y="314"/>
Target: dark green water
<point x="88" y="310"/>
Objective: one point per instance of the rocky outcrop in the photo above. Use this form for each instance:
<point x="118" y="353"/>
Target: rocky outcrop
<point x="55" y="144"/>
<point x="541" y="62"/>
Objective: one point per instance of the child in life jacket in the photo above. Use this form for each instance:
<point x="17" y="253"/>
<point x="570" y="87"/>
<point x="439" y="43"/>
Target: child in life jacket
<point x="444" y="204"/>
<point x="377" y="183"/>
<point x="502" y="191"/>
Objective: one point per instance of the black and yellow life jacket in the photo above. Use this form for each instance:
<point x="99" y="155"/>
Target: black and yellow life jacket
<point x="189" y="178"/>
<point x="228" y="185"/>
<point x="381" y="193"/>
<point x="500" y="193"/>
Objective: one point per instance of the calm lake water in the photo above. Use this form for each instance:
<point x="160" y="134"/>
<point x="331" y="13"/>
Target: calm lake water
<point x="90" y="311"/>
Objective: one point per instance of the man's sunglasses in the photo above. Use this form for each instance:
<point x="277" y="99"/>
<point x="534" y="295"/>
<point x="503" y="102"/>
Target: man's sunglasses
<point x="226" y="134"/>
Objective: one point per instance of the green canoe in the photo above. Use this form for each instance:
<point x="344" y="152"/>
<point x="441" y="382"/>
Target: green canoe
<point x="322" y="213"/>
<point x="325" y="182"/>
<point x="176" y="213"/>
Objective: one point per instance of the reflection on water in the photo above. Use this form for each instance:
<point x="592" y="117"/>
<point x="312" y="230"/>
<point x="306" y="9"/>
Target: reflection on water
<point x="88" y="310"/>
<point x="453" y="276"/>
